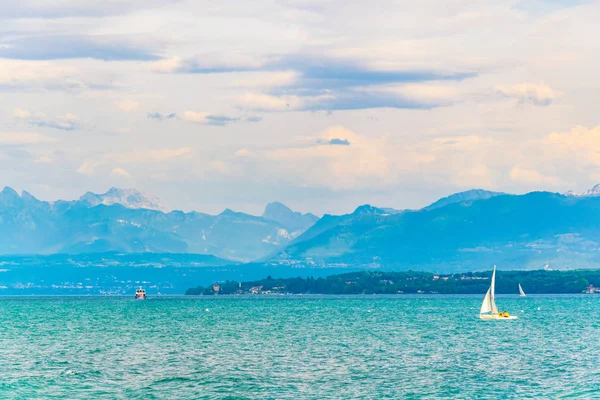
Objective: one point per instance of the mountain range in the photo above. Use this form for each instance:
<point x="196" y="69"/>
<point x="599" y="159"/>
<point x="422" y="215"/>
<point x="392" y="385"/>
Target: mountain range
<point x="465" y="231"/>
<point x="130" y="198"/>
<point x="130" y="222"/>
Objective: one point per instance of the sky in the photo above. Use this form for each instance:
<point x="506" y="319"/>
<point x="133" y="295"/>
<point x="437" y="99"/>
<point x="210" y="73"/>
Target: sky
<point x="320" y="104"/>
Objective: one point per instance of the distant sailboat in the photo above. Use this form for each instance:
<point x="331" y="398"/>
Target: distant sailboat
<point x="488" y="307"/>
<point x="521" y="292"/>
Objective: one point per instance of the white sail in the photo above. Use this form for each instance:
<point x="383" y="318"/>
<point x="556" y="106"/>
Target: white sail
<point x="521" y="292"/>
<point x="493" y="293"/>
<point x="486" y="306"/>
<point x="494" y="308"/>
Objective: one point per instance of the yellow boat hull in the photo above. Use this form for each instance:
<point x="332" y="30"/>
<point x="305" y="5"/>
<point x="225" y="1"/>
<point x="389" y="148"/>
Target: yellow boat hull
<point x="490" y="317"/>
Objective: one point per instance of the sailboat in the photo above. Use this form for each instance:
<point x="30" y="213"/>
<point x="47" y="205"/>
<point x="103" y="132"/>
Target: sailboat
<point x="488" y="307"/>
<point x="521" y="292"/>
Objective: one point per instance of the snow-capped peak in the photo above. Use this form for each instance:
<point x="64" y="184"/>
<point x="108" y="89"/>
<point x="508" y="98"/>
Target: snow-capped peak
<point x="595" y="191"/>
<point x="130" y="198"/>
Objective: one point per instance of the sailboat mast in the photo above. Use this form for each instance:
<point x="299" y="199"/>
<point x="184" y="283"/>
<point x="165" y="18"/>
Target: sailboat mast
<point x="493" y="292"/>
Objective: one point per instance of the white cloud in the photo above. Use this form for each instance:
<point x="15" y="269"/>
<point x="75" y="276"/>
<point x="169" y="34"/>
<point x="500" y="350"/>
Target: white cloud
<point x="24" y="138"/>
<point x="341" y="159"/>
<point x="219" y="166"/>
<point x="66" y="122"/>
<point x="167" y="65"/>
<point x="89" y="167"/>
<point x="243" y="153"/>
<point x="212" y="62"/>
<point x="577" y="149"/>
<point x="140" y="156"/>
<point x="44" y="160"/>
<point x="538" y="94"/>
<point x="120" y="172"/>
<point x="134" y="157"/>
<point x="128" y="105"/>
<point x="266" y="102"/>
<point x="421" y="93"/>
<point x="267" y="80"/>
<point x="195" y="117"/>
<point x="204" y="118"/>
<point x="37" y="75"/>
<point x="77" y="8"/>
<point x="313" y="160"/>
<point x="533" y="178"/>
<point x="20" y="113"/>
<point x="302" y="56"/>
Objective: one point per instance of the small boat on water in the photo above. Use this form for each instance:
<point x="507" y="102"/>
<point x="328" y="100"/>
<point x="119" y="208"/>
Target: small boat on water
<point x="521" y="292"/>
<point x="489" y="311"/>
<point x="140" y="294"/>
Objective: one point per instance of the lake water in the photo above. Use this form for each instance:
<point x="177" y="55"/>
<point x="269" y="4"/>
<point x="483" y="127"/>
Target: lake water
<point x="298" y="347"/>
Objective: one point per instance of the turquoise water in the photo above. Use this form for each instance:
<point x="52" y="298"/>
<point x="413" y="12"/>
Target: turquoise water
<point x="298" y="347"/>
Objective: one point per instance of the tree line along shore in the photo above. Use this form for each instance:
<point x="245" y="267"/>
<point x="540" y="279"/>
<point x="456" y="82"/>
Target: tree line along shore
<point x="409" y="282"/>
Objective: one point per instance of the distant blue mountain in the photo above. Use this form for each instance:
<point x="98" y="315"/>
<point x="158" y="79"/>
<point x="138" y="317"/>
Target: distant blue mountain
<point x="285" y="216"/>
<point x="464" y="198"/>
<point x="468" y="231"/>
<point x="118" y="221"/>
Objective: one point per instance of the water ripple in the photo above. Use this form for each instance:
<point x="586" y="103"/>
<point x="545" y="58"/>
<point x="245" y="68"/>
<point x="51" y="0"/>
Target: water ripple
<point x="301" y="347"/>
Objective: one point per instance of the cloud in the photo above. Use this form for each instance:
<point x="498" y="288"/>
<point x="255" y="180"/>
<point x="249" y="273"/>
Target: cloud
<point x="77" y="8"/>
<point x="24" y="138"/>
<point x="68" y="122"/>
<point x="320" y="70"/>
<point x="341" y="159"/>
<point x="533" y="177"/>
<point x="422" y="95"/>
<point x="334" y="82"/>
<point x="195" y="117"/>
<point x="267" y="79"/>
<point x="89" y="167"/>
<point x="335" y="142"/>
<point x="44" y="160"/>
<point x="436" y="120"/>
<point x="211" y="63"/>
<point x="243" y="153"/>
<point x="167" y="65"/>
<point x="356" y="69"/>
<point x="540" y="95"/>
<point x="56" y="47"/>
<point x="577" y="149"/>
<point x="266" y="102"/>
<point x="161" y="117"/>
<point x="20" y="113"/>
<point x="16" y="74"/>
<point x="120" y="172"/>
<point x="140" y="156"/>
<point x="128" y="105"/>
<point x="134" y="157"/>
<point x="366" y="163"/>
<point x="204" y="118"/>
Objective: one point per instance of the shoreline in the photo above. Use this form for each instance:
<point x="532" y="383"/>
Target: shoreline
<point x="288" y="295"/>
